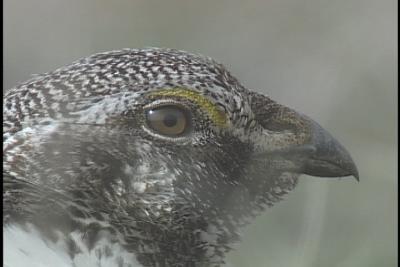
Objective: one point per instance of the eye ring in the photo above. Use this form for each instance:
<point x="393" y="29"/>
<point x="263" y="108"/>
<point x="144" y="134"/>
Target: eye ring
<point x="168" y="120"/>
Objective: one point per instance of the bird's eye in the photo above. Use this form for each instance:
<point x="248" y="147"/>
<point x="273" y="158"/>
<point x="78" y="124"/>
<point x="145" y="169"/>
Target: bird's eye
<point x="170" y="120"/>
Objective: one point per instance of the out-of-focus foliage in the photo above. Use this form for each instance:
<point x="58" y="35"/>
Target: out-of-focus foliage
<point x="333" y="60"/>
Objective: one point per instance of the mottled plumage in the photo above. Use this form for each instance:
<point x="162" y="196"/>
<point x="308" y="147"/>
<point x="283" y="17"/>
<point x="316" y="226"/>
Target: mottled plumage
<point x="153" y="157"/>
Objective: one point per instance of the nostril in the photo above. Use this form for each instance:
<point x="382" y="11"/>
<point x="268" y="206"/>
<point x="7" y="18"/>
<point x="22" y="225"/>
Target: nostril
<point x="279" y="126"/>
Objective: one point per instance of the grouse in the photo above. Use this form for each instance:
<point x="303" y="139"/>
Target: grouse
<point x="147" y="157"/>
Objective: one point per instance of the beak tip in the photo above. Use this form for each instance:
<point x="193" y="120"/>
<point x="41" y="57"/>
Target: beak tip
<point x="349" y="166"/>
<point x="355" y="174"/>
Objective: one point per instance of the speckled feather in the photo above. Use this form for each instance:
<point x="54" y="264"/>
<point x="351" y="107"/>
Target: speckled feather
<point x="81" y="168"/>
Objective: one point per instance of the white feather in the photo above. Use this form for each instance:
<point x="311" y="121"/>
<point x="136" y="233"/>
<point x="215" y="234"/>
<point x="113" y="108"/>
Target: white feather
<point x="26" y="248"/>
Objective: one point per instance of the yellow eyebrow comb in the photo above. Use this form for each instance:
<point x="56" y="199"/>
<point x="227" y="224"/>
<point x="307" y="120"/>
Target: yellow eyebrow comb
<point x="217" y="116"/>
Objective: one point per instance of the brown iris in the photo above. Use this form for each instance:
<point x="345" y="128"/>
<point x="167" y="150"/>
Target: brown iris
<point x="168" y="120"/>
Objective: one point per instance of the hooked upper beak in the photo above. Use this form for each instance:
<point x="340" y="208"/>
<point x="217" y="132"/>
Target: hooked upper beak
<point x="297" y="143"/>
<point x="327" y="157"/>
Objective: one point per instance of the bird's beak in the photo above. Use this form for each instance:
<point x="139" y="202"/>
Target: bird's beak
<point x="327" y="157"/>
<point x="297" y="143"/>
<point x="317" y="155"/>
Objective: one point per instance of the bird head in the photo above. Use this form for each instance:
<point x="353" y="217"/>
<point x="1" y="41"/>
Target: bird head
<point x="158" y="136"/>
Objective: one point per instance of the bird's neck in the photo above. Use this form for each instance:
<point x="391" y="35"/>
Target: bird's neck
<point x="178" y="238"/>
<point x="195" y="242"/>
<point x="26" y="243"/>
<point x="183" y="240"/>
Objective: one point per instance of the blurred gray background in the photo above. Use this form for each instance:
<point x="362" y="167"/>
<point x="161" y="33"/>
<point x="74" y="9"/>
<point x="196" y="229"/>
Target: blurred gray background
<point x="333" y="60"/>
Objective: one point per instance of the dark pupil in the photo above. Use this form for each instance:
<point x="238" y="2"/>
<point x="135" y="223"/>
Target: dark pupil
<point x="170" y="120"/>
